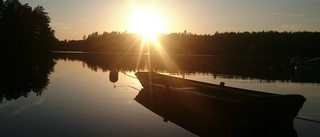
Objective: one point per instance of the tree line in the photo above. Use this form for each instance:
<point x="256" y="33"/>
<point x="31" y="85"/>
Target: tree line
<point x="27" y="30"/>
<point x="24" y="29"/>
<point x="264" y="43"/>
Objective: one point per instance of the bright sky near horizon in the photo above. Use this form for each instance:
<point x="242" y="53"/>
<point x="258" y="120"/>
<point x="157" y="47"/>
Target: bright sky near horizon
<point x="71" y="19"/>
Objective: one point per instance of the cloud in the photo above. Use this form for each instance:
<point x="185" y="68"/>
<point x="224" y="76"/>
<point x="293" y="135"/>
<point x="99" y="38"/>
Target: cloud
<point x="59" y="26"/>
<point x="292" y="27"/>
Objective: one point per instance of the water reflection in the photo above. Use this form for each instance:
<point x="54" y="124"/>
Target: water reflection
<point x="195" y="114"/>
<point x="22" y="75"/>
<point x="113" y="76"/>
<point x="80" y="100"/>
<point x="19" y="76"/>
<point x="268" y="69"/>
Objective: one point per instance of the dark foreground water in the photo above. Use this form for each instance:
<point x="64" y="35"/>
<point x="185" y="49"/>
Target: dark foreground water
<point x="78" y="99"/>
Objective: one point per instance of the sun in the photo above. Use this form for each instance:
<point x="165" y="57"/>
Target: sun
<point x="147" y="23"/>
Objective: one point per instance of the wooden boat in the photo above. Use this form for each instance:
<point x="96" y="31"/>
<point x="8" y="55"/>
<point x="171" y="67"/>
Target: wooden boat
<point x="198" y="115"/>
<point x="234" y="102"/>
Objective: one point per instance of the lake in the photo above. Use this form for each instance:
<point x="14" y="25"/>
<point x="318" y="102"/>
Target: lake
<point x="72" y="94"/>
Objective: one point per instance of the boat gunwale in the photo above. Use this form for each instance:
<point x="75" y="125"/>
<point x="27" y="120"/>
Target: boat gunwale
<point x="248" y="92"/>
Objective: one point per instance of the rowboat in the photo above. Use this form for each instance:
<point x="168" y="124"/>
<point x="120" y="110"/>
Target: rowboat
<point x="248" y="107"/>
<point x="198" y="115"/>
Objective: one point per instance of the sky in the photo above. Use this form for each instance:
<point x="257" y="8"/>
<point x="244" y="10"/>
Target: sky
<point x="72" y="19"/>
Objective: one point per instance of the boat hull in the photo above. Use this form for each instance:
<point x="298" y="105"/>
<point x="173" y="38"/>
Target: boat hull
<point x="235" y="102"/>
<point x="206" y="117"/>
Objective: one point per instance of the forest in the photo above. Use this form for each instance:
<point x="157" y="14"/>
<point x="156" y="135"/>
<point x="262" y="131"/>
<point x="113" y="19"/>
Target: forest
<point x="24" y="29"/>
<point x="264" y="43"/>
<point x="27" y="30"/>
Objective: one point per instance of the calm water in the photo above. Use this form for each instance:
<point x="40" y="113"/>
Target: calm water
<point x="80" y="100"/>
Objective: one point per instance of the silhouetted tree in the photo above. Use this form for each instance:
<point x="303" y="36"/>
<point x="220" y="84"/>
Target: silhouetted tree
<point x="25" y="34"/>
<point x="24" y="29"/>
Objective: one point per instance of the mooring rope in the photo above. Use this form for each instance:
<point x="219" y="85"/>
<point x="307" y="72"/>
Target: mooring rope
<point x="127" y="87"/>
<point x="129" y="75"/>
